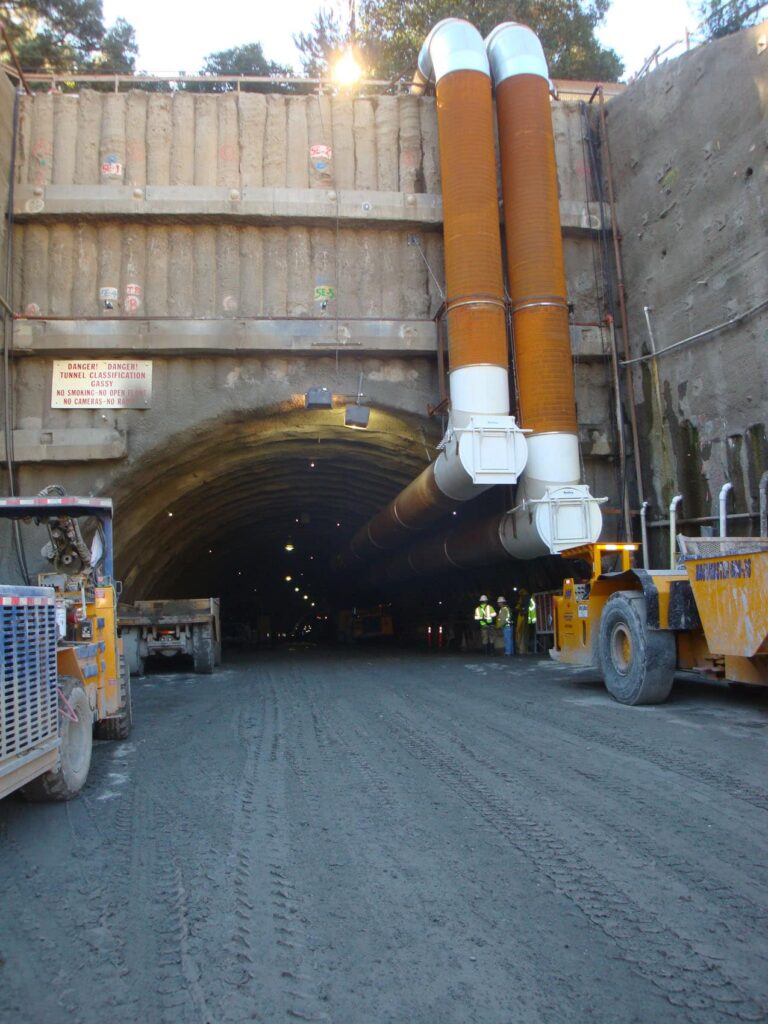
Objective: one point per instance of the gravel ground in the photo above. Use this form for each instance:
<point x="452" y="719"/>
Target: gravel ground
<point x="370" y="836"/>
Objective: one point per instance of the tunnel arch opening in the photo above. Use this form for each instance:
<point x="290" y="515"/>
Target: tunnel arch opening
<point x="212" y="512"/>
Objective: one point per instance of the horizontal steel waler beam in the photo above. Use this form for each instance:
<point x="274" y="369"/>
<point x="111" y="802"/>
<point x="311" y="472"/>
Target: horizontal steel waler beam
<point x="95" y="444"/>
<point x="269" y="205"/>
<point x="66" y="444"/>
<point x="177" y="336"/>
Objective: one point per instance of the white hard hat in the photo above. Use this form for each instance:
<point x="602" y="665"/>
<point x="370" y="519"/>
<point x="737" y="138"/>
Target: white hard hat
<point x="483" y="597"/>
<point x="500" y="599"/>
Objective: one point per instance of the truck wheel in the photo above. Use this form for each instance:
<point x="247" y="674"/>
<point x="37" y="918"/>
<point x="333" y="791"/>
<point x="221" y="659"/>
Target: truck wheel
<point x="69" y="777"/>
<point x="119" y="726"/>
<point x="202" y="650"/>
<point x="638" y="663"/>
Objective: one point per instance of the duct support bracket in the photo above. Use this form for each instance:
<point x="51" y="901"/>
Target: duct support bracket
<point x="498" y="449"/>
<point x="565" y="517"/>
<point x="487" y="450"/>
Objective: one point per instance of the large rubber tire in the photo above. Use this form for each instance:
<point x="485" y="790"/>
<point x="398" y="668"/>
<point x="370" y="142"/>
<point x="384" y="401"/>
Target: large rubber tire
<point x="119" y="726"/>
<point x="202" y="650"/>
<point x="69" y="777"/>
<point x="638" y="663"/>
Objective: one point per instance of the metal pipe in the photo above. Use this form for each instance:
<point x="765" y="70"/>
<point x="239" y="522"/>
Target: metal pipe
<point x="644" y="531"/>
<point x="15" y="59"/>
<point x="647" y="310"/>
<point x="724" y="490"/>
<point x="620" y="430"/>
<point x="699" y="520"/>
<point x="673" y="530"/>
<point x="7" y="332"/>
<point x="554" y="510"/>
<point x="622" y="295"/>
<point x="738" y="318"/>
<point x="764" y="504"/>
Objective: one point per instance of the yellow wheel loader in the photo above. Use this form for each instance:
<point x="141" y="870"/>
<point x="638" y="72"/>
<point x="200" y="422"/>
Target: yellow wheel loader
<point x="639" y="627"/>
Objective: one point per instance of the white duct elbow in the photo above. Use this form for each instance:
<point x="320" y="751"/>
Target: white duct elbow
<point x="452" y="45"/>
<point x="515" y="50"/>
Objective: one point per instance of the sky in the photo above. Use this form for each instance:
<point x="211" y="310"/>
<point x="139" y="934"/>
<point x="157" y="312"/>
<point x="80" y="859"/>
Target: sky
<point x="170" y="41"/>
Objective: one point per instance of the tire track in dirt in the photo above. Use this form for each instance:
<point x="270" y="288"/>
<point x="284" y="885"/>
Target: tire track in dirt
<point x="655" y="950"/>
<point x="718" y="776"/>
<point x="86" y="906"/>
<point x="473" y="905"/>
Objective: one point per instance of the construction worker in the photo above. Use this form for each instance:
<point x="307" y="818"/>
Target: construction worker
<point x="504" y="625"/>
<point x="532" y="624"/>
<point x="485" y="613"/>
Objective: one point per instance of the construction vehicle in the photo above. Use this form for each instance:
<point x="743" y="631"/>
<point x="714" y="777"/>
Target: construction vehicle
<point x="63" y="677"/>
<point x="189" y="626"/>
<point x="639" y="627"/>
<point x="360" y="624"/>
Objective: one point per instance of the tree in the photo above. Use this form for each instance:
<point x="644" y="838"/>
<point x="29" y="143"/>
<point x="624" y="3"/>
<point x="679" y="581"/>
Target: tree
<point x="391" y="33"/>
<point x="239" y="60"/>
<point x="68" y="35"/>
<point x="322" y="45"/>
<point x="117" y="52"/>
<point x="723" y="17"/>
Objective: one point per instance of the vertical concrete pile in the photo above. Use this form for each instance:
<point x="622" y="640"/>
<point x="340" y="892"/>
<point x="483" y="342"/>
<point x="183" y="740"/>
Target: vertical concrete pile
<point x="553" y="510"/>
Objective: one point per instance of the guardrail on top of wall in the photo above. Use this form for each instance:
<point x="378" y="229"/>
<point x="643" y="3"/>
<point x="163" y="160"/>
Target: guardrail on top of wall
<point x="564" y="88"/>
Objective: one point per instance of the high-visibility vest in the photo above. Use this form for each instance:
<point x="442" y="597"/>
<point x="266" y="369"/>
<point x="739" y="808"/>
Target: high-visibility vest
<point x="532" y="613"/>
<point x="485" y="614"/>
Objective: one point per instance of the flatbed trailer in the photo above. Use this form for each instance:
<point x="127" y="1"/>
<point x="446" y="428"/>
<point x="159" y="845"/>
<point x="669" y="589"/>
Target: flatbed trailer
<point x="170" y="627"/>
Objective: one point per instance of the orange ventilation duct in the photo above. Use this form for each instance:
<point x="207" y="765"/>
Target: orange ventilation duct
<point x="483" y="445"/>
<point x="535" y="268"/>
<point x="554" y="510"/>
<point x="477" y="334"/>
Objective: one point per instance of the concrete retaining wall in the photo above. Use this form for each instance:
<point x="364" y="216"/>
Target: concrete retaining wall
<point x="249" y="140"/>
<point x="228" y="270"/>
<point x="289" y="242"/>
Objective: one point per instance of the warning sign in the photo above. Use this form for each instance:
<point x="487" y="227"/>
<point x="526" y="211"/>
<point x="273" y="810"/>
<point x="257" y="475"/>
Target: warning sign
<point x="101" y="384"/>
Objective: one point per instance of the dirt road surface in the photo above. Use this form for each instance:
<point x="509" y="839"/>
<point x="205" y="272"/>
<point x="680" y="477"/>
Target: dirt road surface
<point x="366" y="837"/>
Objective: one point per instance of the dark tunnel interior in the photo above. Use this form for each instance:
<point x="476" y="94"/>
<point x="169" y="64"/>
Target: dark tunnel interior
<point x="257" y="512"/>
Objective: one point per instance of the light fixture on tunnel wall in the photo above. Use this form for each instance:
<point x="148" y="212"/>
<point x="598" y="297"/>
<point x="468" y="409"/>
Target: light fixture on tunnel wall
<point x="318" y="398"/>
<point x="289" y="546"/>
<point x="357" y="415"/>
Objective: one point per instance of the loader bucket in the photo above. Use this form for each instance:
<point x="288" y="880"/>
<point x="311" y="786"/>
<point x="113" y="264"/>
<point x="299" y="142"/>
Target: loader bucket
<point x="730" y="587"/>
